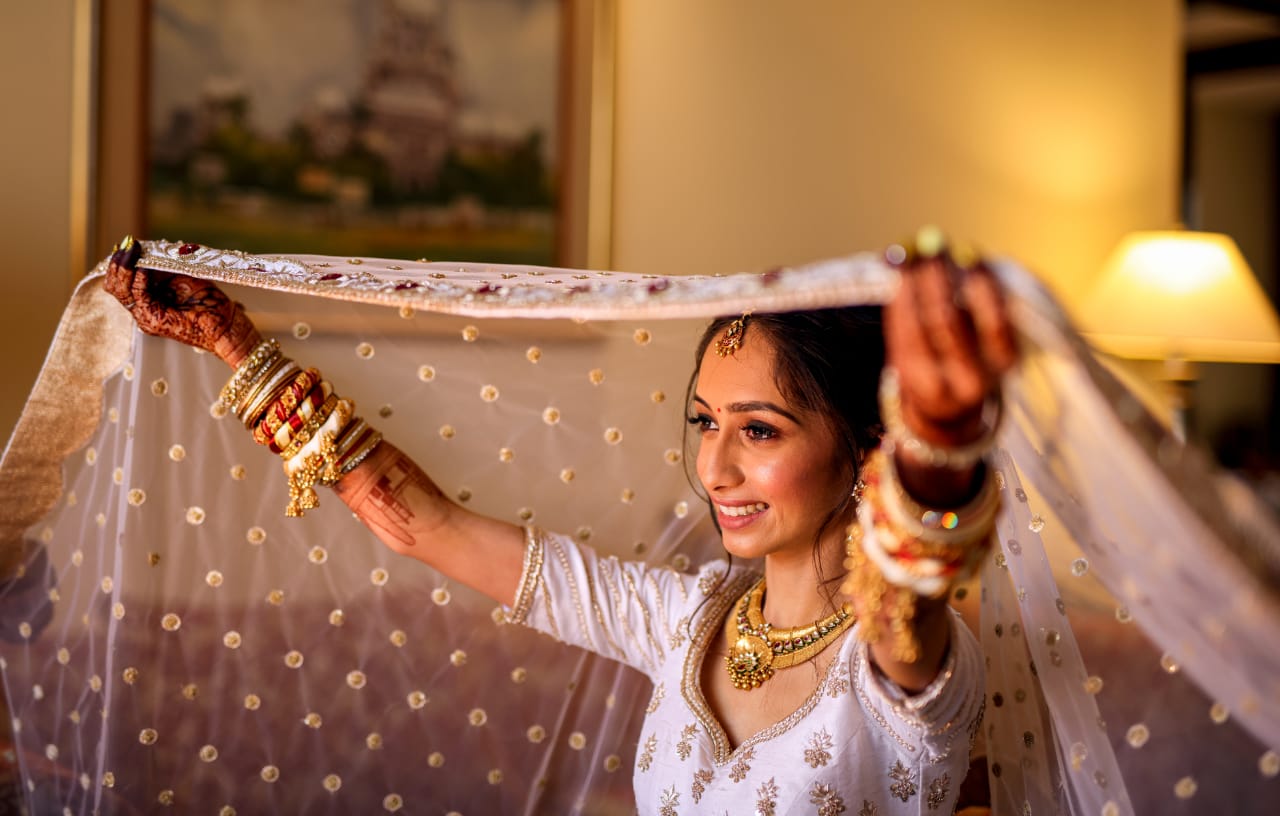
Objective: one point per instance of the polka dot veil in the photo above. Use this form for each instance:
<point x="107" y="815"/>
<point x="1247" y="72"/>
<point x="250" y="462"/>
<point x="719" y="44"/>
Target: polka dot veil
<point x="174" y="643"/>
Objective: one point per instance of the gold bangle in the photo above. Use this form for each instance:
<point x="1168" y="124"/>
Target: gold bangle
<point x="262" y="355"/>
<point x="360" y="454"/>
<point x="350" y="436"/>
<point x="354" y="434"/>
<point x="304" y="434"/>
<point x="272" y="383"/>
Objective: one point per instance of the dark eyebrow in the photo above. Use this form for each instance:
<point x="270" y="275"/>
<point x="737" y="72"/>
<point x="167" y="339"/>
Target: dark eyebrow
<point x="753" y="405"/>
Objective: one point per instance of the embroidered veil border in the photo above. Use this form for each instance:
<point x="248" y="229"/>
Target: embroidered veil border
<point x="172" y="638"/>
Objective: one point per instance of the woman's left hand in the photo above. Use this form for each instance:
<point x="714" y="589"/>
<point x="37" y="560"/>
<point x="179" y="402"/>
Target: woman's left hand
<point x="948" y="335"/>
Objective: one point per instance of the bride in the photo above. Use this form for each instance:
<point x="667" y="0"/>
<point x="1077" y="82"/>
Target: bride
<point x="827" y="442"/>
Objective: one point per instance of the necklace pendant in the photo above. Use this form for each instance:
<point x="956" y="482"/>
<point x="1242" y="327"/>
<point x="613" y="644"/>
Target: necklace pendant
<point x="750" y="661"/>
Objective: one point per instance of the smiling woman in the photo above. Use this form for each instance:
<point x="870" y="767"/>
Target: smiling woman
<point x="786" y="427"/>
<point x="157" y="561"/>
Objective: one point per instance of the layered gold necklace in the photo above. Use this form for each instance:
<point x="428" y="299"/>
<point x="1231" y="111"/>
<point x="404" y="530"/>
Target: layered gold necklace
<point x="757" y="648"/>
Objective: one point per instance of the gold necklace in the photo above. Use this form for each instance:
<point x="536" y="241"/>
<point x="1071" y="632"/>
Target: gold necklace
<point x="758" y="648"/>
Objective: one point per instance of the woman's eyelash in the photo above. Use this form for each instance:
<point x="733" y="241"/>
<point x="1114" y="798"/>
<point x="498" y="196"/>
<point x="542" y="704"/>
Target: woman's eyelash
<point x="700" y="420"/>
<point x="755" y="431"/>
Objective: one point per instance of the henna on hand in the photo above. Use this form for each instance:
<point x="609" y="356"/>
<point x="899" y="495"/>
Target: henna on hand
<point x="180" y="307"/>
<point x="949" y="336"/>
<point x="238" y="340"/>
<point x="392" y="496"/>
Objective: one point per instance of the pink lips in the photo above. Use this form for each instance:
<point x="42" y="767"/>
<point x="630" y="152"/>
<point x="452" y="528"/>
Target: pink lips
<point x="737" y="516"/>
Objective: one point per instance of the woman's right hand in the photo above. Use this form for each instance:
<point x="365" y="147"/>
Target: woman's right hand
<point x="180" y="307"/>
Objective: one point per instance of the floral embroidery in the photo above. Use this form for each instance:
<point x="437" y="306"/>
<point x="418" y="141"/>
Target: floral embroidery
<point x="839" y="681"/>
<point x="868" y="809"/>
<point x="710" y="580"/>
<point x="817" y="755"/>
<point x="670" y="800"/>
<point x="701" y="779"/>
<point x="656" y="700"/>
<point x="828" y="801"/>
<point x="740" y="768"/>
<point x="676" y="640"/>
<point x="684" y="747"/>
<point x="646" y="756"/>
<point x="938" y="791"/>
<point x="904" y="781"/>
<point x="767" y="804"/>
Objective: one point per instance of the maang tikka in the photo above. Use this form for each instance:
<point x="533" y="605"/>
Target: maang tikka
<point x="731" y="340"/>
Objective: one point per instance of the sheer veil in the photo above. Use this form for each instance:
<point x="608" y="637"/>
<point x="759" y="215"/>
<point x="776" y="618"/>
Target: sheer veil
<point x="171" y="640"/>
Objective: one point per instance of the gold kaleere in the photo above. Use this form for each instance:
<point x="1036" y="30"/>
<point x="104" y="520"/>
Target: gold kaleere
<point x="302" y="482"/>
<point x="879" y="600"/>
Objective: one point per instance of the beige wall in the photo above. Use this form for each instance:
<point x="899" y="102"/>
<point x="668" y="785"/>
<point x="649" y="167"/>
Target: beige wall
<point x="757" y="133"/>
<point x="35" y="209"/>
<point x="753" y="133"/>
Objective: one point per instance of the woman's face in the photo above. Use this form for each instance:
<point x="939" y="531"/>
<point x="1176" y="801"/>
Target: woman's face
<point x="771" y="470"/>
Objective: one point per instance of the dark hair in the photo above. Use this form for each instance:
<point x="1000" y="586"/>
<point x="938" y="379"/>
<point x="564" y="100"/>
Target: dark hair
<point x="826" y="362"/>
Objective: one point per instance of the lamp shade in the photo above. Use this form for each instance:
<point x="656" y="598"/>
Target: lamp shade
<point x="1181" y="295"/>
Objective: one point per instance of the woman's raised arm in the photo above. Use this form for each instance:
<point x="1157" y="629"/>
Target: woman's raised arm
<point x="398" y="501"/>
<point x="387" y="491"/>
<point x="948" y="344"/>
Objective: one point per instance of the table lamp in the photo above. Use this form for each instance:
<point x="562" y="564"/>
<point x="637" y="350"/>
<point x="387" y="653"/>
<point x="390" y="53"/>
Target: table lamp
<point x="1182" y="297"/>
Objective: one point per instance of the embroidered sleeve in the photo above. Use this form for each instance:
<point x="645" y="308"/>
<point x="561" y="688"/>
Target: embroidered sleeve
<point x="940" y="721"/>
<point x="624" y="610"/>
<point x="530" y="574"/>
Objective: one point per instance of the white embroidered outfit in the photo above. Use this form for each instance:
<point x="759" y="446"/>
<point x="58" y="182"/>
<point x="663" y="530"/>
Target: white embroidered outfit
<point x="856" y="745"/>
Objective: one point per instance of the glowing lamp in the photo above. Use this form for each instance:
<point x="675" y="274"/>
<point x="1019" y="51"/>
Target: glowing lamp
<point x="1181" y="296"/>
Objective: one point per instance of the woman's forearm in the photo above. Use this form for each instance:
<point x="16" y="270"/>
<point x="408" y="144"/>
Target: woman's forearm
<point x="924" y="527"/>
<point x="234" y="344"/>
<point x="409" y="513"/>
<point x="932" y="631"/>
<point x="405" y="509"/>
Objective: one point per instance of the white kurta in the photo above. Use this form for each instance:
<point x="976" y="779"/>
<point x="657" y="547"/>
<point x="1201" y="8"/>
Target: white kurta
<point x="857" y="745"/>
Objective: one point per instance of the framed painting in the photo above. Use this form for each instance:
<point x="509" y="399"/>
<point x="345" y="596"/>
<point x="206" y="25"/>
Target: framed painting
<point x="477" y="130"/>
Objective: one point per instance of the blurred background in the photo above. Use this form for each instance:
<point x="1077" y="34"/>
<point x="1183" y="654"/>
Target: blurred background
<point x="656" y="137"/>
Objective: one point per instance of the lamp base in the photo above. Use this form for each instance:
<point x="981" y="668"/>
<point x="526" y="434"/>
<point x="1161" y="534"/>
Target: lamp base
<point x="1179" y="381"/>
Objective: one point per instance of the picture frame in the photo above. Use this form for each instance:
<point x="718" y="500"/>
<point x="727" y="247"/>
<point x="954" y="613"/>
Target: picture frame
<point x="120" y="161"/>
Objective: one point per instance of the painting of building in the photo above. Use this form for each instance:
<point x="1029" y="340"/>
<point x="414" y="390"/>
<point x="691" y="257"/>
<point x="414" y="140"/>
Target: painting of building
<point x="398" y="128"/>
